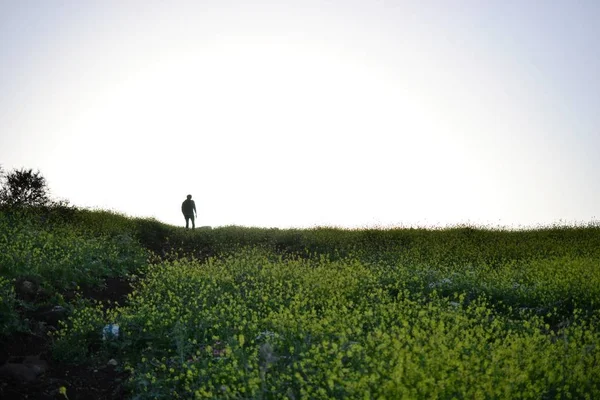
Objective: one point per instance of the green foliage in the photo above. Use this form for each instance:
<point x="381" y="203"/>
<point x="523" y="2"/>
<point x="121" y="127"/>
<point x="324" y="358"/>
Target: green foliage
<point x="61" y="253"/>
<point x="9" y="318"/>
<point x="84" y="333"/>
<point x="455" y="246"/>
<point x="237" y="312"/>
<point x="254" y="324"/>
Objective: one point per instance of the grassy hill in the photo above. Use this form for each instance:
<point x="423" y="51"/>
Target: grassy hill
<point x="237" y="312"/>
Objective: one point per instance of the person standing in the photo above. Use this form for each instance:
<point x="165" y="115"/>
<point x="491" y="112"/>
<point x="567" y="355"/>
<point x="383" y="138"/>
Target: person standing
<point x="188" y="208"/>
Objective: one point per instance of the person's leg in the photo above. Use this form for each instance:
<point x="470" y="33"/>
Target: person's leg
<point x="187" y="221"/>
<point x="193" y="222"/>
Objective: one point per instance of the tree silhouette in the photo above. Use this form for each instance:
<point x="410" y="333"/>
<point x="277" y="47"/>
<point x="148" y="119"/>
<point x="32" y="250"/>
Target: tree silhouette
<point x="23" y="187"/>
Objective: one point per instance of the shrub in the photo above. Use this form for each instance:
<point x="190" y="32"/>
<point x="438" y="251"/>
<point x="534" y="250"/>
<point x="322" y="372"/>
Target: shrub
<point x="23" y="187"/>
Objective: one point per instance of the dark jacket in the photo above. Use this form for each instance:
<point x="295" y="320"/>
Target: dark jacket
<point x="188" y="207"/>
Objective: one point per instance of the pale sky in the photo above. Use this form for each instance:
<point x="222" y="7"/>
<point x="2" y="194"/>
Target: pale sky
<point x="305" y="113"/>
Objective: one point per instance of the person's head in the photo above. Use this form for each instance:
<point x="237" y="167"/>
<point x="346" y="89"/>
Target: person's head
<point x="189" y="196"/>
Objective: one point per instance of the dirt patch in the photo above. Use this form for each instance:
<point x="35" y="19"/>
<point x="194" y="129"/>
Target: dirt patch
<point x="80" y="382"/>
<point x="114" y="290"/>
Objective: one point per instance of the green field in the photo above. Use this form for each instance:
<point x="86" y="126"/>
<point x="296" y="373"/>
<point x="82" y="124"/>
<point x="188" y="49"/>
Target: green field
<point x="248" y="313"/>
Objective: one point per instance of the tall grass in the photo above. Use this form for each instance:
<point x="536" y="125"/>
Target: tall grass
<point x="237" y="312"/>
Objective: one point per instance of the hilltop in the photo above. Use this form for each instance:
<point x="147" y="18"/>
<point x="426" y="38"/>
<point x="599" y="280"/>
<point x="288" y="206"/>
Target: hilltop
<point x="295" y="301"/>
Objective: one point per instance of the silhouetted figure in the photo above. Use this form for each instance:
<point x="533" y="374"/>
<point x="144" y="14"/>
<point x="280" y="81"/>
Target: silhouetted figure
<point x="188" y="208"/>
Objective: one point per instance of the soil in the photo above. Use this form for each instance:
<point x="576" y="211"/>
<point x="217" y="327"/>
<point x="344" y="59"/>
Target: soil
<point x="83" y="381"/>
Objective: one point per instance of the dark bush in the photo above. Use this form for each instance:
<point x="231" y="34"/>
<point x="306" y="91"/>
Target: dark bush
<point x="23" y="187"/>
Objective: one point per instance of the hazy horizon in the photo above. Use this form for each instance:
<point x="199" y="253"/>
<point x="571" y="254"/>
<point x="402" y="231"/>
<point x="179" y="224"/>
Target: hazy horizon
<point x="319" y="113"/>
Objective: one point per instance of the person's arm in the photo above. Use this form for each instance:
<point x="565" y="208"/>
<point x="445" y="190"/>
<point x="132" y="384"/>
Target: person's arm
<point x="182" y="211"/>
<point x="194" y="204"/>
